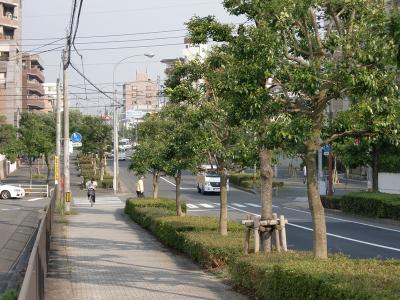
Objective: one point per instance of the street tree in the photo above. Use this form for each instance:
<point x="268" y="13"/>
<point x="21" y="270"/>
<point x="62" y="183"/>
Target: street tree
<point x="183" y="139"/>
<point x="199" y="84"/>
<point x="34" y="138"/>
<point x="149" y="154"/>
<point x="9" y="145"/>
<point x="96" y="138"/>
<point x="245" y="60"/>
<point x="323" y="52"/>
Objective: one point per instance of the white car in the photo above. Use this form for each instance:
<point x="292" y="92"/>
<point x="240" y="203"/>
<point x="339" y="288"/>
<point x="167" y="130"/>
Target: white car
<point x="10" y="191"/>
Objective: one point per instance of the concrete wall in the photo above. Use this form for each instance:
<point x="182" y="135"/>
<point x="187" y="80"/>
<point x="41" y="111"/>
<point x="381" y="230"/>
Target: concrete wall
<point x="389" y="183"/>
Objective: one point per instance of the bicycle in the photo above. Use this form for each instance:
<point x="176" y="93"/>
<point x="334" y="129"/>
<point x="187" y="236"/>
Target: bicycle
<point x="92" y="196"/>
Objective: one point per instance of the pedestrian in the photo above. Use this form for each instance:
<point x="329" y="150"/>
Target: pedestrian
<point x="140" y="187"/>
<point x="305" y="174"/>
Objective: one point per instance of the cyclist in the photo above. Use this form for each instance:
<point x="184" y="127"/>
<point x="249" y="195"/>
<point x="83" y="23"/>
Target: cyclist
<point x="91" y="190"/>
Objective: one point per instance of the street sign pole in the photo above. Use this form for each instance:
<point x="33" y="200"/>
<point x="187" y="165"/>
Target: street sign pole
<point x="67" y="188"/>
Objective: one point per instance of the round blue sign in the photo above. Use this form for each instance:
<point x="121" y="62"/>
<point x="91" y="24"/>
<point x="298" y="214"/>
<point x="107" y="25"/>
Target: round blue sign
<point x="76" y="137"/>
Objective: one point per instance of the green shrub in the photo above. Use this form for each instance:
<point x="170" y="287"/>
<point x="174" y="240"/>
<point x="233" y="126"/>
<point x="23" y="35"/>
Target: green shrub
<point x="9" y="295"/>
<point x="379" y="205"/>
<point x="168" y="204"/>
<point x="291" y="275"/>
<point x="247" y="181"/>
<point x="297" y="275"/>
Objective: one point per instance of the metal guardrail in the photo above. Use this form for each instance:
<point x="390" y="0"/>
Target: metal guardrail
<point x="36" y="189"/>
<point x="33" y="286"/>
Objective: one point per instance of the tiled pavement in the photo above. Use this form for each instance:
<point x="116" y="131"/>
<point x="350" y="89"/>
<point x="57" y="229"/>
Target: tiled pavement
<point x="102" y="254"/>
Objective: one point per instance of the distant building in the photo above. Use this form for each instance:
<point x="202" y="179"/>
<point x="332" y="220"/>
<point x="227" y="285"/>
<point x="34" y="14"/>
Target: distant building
<point x="10" y="60"/>
<point x="33" y="95"/>
<point x="191" y="52"/>
<point x="50" y="92"/>
<point x="140" y="97"/>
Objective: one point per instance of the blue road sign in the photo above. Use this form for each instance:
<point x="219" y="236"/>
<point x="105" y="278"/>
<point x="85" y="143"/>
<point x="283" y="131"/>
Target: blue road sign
<point x="76" y="137"/>
<point x="327" y="148"/>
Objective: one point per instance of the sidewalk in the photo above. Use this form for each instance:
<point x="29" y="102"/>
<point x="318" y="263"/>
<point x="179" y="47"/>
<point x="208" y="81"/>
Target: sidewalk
<point x="102" y="254"/>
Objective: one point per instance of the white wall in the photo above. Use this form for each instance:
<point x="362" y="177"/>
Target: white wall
<point x="389" y="183"/>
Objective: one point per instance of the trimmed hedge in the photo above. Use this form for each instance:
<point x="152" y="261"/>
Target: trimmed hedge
<point x="10" y="294"/>
<point x="246" y="181"/>
<point x="297" y="275"/>
<point x="291" y="275"/>
<point x="378" y="205"/>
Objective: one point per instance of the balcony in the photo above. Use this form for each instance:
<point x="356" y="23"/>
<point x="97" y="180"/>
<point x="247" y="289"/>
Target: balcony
<point x="9" y="21"/>
<point x="37" y="73"/>
<point x="33" y="102"/>
<point x="34" y="87"/>
<point x="10" y="2"/>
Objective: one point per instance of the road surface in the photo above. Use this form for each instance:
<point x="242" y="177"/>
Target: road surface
<point x="353" y="236"/>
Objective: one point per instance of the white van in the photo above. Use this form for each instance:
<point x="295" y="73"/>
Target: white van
<point x="208" y="180"/>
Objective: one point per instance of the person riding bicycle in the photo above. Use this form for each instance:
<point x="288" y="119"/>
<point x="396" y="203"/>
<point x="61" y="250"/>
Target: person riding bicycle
<point x="91" y="189"/>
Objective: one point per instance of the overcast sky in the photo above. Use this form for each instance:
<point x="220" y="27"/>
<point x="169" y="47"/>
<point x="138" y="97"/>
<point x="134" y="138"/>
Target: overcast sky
<point x="45" y="21"/>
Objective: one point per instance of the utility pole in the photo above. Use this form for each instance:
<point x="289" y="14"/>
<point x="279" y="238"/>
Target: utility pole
<point x="58" y="143"/>
<point x="67" y="188"/>
<point x="115" y="139"/>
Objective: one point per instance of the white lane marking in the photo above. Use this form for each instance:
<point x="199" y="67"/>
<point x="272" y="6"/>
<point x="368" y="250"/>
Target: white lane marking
<point x="238" y="205"/>
<point x="173" y="184"/>
<point x="206" y="205"/>
<point x="10" y="209"/>
<point x="252" y="204"/>
<point x="191" y="205"/>
<point x="201" y="210"/>
<point x="349" y="239"/>
<point x="344" y="220"/>
<point x="217" y="204"/>
<point x="34" y="199"/>
<point x="329" y="234"/>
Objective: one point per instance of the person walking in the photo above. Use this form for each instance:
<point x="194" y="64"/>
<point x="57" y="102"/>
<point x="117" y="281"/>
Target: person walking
<point x="140" y="187"/>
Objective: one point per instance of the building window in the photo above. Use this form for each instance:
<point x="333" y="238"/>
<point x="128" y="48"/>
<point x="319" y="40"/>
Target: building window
<point x="148" y="88"/>
<point x="148" y="95"/>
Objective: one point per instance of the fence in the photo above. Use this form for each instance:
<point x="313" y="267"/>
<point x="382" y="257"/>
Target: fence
<point x="34" y="280"/>
<point x="36" y="189"/>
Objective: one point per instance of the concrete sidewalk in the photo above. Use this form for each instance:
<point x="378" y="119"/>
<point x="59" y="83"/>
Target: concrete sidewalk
<point x="101" y="254"/>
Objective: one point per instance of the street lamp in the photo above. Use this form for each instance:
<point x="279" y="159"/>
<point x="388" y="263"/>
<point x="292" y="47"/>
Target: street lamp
<point x="115" y="121"/>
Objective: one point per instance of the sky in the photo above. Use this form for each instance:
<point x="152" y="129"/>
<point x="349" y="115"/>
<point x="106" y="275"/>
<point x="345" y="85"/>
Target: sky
<point x="133" y="28"/>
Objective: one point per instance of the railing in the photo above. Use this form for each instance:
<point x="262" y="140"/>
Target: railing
<point x="36" y="189"/>
<point x="33" y="286"/>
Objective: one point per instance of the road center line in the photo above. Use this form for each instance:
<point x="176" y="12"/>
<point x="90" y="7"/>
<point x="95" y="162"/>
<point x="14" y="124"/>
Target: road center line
<point x="329" y="234"/>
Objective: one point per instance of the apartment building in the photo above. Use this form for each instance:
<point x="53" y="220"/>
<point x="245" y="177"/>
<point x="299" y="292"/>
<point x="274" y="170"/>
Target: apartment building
<point x="140" y="96"/>
<point x="50" y="92"/>
<point x="10" y="60"/>
<point x="33" y="94"/>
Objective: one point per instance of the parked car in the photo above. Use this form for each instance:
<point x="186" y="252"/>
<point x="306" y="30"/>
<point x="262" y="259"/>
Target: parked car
<point x="10" y="191"/>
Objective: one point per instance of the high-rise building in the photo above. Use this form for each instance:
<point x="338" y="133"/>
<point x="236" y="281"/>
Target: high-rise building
<point x="10" y="60"/>
<point x="141" y="96"/>
<point x="50" y="92"/>
<point x="33" y="94"/>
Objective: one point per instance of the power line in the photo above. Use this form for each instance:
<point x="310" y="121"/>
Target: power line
<point x="108" y="35"/>
<point x="111" y="41"/>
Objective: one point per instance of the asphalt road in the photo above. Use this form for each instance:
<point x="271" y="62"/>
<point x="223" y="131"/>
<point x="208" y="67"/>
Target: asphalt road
<point x="353" y="236"/>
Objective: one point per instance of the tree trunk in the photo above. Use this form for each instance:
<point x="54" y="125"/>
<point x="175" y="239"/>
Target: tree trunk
<point x="223" y="212"/>
<point x="46" y="157"/>
<point x="314" y="200"/>
<point x="102" y="166"/>
<point x="178" y="178"/>
<point x="156" y="176"/>
<point x="30" y="170"/>
<point x="266" y="175"/>
<point x="375" y="170"/>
